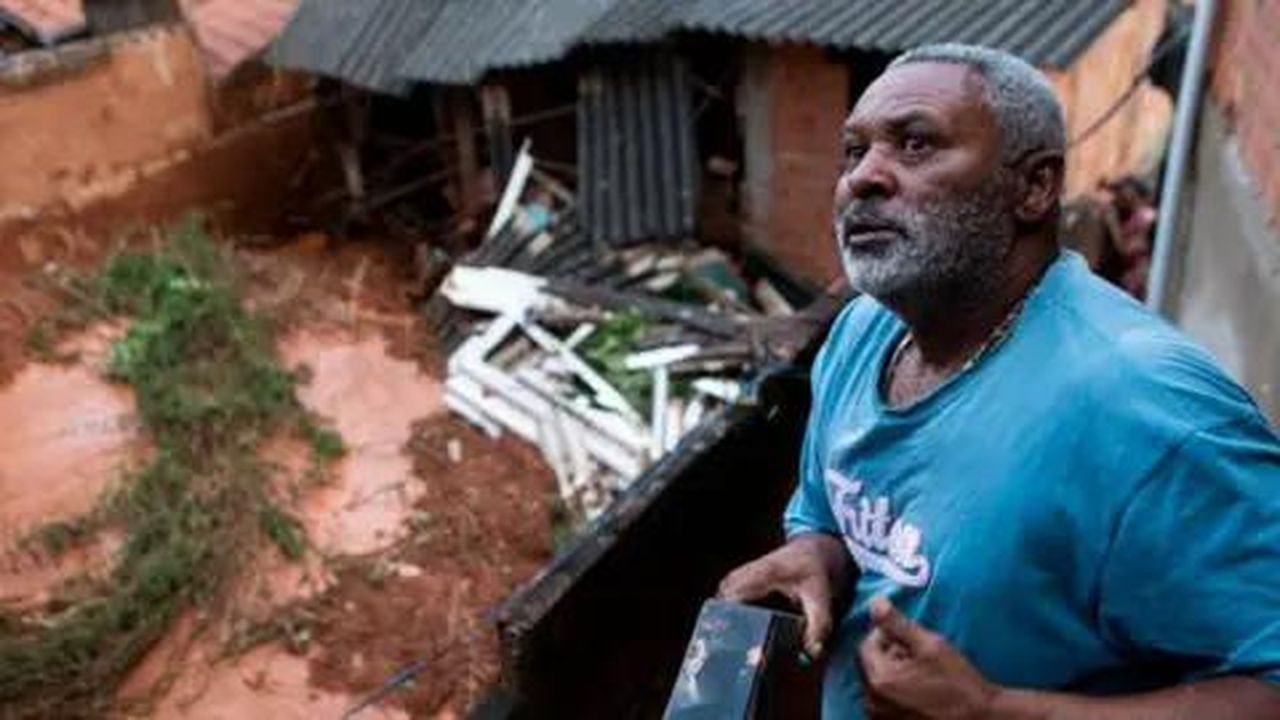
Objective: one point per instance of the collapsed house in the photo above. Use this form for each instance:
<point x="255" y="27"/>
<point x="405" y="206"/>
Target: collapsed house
<point x="604" y="355"/>
<point x="662" y="163"/>
<point x="739" y="102"/>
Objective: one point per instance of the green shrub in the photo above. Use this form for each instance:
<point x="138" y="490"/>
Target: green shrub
<point x="209" y="390"/>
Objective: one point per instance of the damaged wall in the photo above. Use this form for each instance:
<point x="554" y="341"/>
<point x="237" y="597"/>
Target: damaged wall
<point x="1133" y="140"/>
<point x="794" y="100"/>
<point x="253" y="90"/>
<point x="78" y="122"/>
<point x="114" y="132"/>
<point x="1229" y="294"/>
<point x="1227" y="274"/>
<point x="1246" y="65"/>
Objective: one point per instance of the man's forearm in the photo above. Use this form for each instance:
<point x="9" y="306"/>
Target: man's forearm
<point x="1230" y="698"/>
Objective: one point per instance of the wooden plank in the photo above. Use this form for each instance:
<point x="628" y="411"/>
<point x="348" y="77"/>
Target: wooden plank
<point x="616" y="444"/>
<point x="722" y="389"/>
<point x="458" y="402"/>
<point x="515" y="187"/>
<point x="660" y="357"/>
<point x="621" y="300"/>
<point x="661" y="394"/>
<point x="605" y="393"/>
<point x="493" y="289"/>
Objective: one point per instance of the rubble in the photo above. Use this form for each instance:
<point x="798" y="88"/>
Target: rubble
<point x="603" y="357"/>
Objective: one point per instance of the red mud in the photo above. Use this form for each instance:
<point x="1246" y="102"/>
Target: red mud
<point x="372" y="400"/>
<point x="28" y="580"/>
<point x="70" y="434"/>
<point x="430" y="545"/>
<point x="266" y="682"/>
<point x="484" y="527"/>
<point x="410" y="549"/>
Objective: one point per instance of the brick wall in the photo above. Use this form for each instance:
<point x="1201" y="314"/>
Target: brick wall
<point x="1133" y="139"/>
<point x="1246" y="65"/>
<point x="76" y="122"/>
<point x="796" y="103"/>
<point x="794" y="99"/>
<point x="118" y="131"/>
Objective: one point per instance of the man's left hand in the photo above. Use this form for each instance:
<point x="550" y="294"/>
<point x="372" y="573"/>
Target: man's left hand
<point x="910" y="672"/>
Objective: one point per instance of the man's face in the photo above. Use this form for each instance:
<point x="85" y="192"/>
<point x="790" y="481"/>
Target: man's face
<point x="923" y="204"/>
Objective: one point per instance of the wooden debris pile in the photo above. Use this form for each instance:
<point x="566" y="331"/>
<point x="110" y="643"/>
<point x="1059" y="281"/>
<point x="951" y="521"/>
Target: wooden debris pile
<point x="603" y="357"/>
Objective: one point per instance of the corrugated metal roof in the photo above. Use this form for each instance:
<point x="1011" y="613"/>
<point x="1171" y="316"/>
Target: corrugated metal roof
<point x="1044" y="32"/>
<point x="232" y="31"/>
<point x="384" y="44"/>
<point x="635" y="21"/>
<point x="44" y="21"/>
<point x="638" y="168"/>
<point x="363" y="42"/>
<point x="472" y="37"/>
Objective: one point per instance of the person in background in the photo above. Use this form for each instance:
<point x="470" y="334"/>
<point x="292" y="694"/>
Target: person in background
<point x="1134" y="221"/>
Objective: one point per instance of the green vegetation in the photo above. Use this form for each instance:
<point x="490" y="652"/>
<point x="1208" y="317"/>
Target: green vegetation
<point x="209" y="390"/>
<point x="60" y="536"/>
<point x="284" y="530"/>
<point x="607" y="350"/>
<point x="326" y="443"/>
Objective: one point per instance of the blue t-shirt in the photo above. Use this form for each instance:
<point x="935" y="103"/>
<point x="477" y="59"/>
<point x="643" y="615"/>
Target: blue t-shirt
<point x="1094" y="507"/>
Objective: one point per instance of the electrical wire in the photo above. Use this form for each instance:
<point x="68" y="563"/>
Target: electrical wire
<point x="1169" y="45"/>
<point x="399" y="679"/>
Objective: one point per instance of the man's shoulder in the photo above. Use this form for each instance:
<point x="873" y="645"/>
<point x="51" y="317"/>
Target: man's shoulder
<point x="1129" y="362"/>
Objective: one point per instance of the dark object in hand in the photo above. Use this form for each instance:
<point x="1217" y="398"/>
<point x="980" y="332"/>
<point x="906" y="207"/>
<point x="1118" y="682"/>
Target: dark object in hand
<point x="744" y="663"/>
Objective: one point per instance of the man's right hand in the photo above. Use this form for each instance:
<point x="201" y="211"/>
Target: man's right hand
<point x="812" y="570"/>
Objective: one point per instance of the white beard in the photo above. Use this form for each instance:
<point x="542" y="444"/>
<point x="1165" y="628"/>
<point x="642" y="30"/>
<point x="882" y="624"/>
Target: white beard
<point x="947" y="247"/>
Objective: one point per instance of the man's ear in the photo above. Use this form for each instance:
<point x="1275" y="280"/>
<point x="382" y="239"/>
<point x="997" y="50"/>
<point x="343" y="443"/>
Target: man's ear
<point x="1042" y="174"/>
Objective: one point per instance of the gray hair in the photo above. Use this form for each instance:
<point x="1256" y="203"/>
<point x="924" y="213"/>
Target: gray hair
<point x="1026" y="107"/>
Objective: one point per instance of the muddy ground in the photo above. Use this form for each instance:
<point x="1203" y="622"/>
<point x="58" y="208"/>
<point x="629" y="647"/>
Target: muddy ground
<point x="419" y="530"/>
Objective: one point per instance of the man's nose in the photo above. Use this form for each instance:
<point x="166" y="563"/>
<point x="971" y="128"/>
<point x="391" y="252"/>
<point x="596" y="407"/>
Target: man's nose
<point x="871" y="177"/>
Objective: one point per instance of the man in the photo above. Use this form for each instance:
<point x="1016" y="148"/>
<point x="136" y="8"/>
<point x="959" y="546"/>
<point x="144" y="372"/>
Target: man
<point x="1036" y="499"/>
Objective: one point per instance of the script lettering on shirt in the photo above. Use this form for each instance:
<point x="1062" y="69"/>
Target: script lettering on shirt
<point x="877" y="540"/>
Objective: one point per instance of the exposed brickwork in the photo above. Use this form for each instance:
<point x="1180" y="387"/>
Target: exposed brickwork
<point x="809" y="99"/>
<point x="1133" y="139"/>
<point x="79" y="129"/>
<point x="1245" y="71"/>
<point x="109" y="133"/>
<point x="804" y="93"/>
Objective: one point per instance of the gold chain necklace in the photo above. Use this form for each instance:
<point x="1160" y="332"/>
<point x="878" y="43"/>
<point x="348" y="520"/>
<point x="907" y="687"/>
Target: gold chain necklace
<point x="994" y="339"/>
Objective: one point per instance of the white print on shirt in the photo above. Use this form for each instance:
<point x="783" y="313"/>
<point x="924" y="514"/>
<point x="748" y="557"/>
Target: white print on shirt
<point x="877" y="540"/>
